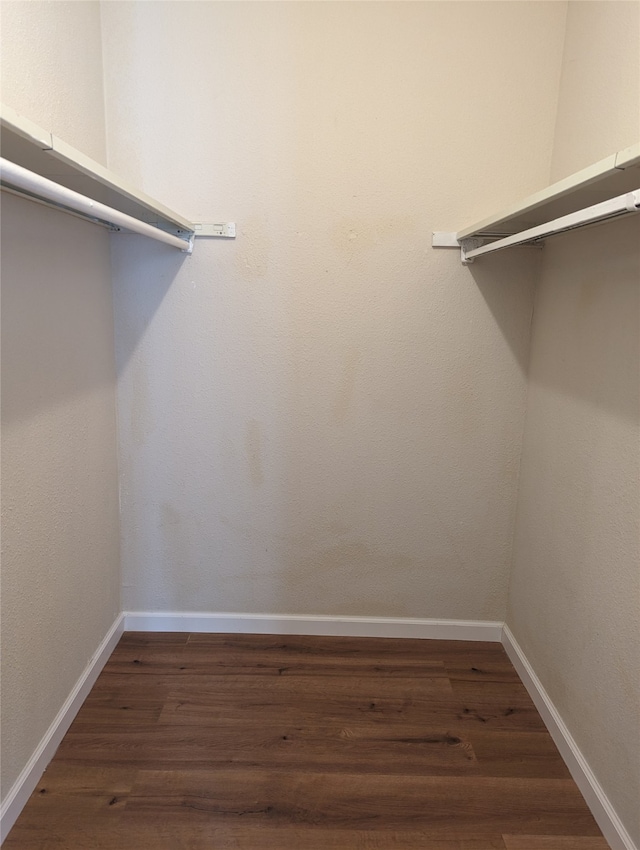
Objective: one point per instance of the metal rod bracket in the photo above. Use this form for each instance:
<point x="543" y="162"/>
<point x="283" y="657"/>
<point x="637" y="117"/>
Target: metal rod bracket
<point x="467" y="245"/>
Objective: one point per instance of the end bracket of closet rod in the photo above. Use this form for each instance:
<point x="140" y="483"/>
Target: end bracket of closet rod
<point x="224" y="230"/>
<point x="469" y="245"/>
<point x="443" y="239"/>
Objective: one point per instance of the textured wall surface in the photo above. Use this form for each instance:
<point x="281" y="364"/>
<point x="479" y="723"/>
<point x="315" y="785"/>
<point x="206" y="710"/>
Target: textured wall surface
<point x="52" y="68"/>
<point x="598" y="105"/>
<point x="60" y="530"/>
<point x="575" y="592"/>
<point x="325" y="415"/>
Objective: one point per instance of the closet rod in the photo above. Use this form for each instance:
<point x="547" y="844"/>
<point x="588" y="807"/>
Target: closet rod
<point x="27" y="182"/>
<point x="622" y="205"/>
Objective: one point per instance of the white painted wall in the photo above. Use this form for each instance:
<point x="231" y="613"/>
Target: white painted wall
<point x="60" y="529"/>
<point x="52" y="68"/>
<point x="598" y="103"/>
<point x="575" y="591"/>
<point x="325" y="415"/>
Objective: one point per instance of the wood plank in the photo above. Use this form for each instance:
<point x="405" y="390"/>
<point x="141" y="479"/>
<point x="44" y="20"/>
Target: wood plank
<point x="203" y="836"/>
<point x="154" y="683"/>
<point x="73" y="806"/>
<point x="279" y="699"/>
<point x="403" y="648"/>
<point x="145" y="661"/>
<point x="202" y="659"/>
<point x="447" y="807"/>
<point x="555" y="842"/>
<point x="436" y="749"/>
<point x="204" y="665"/>
<point x="490" y="703"/>
<point x="382" y="699"/>
<point x="269" y="655"/>
<point x="147" y="653"/>
<point x="423" y="693"/>
<point x="149" y="639"/>
<point x="282" y="740"/>
<point x="192" y="708"/>
<point x="120" y="708"/>
<point x="480" y="667"/>
<point x="515" y="753"/>
<point x="347" y="839"/>
<point x="85" y="835"/>
<point x="160" y="836"/>
<point x="374" y="749"/>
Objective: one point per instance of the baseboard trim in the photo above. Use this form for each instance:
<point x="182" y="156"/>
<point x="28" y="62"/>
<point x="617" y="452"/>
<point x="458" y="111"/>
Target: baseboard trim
<point x="605" y="815"/>
<point x="35" y="767"/>
<point x="290" y="624"/>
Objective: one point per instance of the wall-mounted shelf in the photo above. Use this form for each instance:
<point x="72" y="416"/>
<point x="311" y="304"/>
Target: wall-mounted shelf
<point x="39" y="165"/>
<point x="575" y="201"/>
<point x="40" y="151"/>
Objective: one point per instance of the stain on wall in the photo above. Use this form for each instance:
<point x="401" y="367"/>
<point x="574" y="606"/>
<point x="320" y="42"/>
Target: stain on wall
<point x="334" y="403"/>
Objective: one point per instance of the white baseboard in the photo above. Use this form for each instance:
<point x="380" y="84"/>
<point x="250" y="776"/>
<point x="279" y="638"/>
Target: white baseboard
<point x="290" y="624"/>
<point x="605" y="815"/>
<point x="24" y="785"/>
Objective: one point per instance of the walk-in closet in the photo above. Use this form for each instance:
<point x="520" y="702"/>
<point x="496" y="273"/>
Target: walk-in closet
<point x="320" y="424"/>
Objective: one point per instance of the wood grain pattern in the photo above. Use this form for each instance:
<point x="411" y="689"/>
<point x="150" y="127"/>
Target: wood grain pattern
<point x="256" y="742"/>
<point x="554" y="842"/>
<point x="447" y="807"/>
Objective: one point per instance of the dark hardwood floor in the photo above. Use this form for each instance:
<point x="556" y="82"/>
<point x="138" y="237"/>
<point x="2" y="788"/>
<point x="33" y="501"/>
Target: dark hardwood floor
<point x="254" y="742"/>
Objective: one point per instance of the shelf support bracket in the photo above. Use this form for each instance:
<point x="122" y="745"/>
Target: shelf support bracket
<point x="443" y="239"/>
<point x="470" y="244"/>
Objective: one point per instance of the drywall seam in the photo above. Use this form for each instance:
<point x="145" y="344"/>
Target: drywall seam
<point x="605" y="815"/>
<point x="44" y="752"/>
<point x="212" y="622"/>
